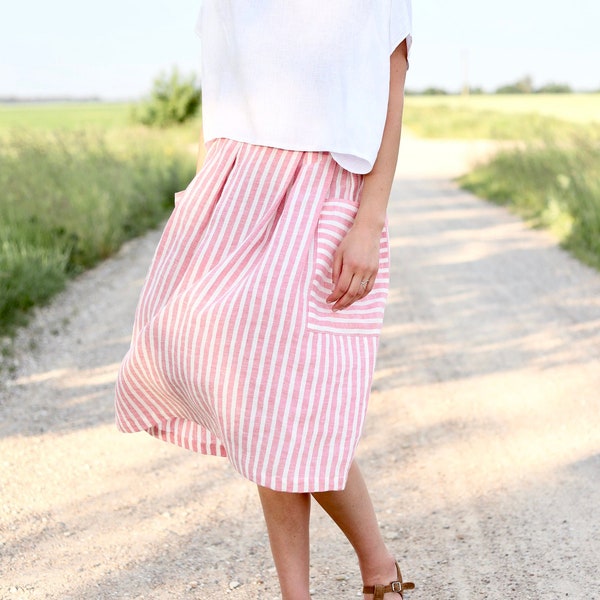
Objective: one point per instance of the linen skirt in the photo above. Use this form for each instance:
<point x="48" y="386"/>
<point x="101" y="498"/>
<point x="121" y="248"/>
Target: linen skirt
<point x="235" y="351"/>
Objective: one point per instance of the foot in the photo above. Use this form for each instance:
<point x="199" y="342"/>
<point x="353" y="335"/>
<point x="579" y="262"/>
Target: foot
<point x="388" y="578"/>
<point x="383" y="576"/>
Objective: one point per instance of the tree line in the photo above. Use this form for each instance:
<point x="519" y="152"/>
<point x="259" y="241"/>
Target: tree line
<point x="521" y="86"/>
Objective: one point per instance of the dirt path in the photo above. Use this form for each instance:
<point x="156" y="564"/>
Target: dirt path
<point x="482" y="444"/>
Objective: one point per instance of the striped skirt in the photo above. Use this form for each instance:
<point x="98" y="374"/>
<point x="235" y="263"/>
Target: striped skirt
<point x="235" y="351"/>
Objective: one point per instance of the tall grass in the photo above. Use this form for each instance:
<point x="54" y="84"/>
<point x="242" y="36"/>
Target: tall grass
<point x="70" y="198"/>
<point x="554" y="183"/>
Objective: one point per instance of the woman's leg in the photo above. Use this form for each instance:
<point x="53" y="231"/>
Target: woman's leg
<point x="287" y="516"/>
<point x="352" y="510"/>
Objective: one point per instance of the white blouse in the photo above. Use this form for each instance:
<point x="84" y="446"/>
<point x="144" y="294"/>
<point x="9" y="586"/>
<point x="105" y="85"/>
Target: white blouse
<point x="301" y="74"/>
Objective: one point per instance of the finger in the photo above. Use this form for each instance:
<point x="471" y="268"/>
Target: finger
<point x="341" y="287"/>
<point x="363" y="290"/>
<point x="370" y="285"/>
<point x="336" y="268"/>
<point x="353" y="293"/>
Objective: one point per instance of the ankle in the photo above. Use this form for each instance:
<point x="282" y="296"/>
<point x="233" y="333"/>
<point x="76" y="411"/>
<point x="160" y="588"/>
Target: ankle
<point x="382" y="570"/>
<point x="296" y="595"/>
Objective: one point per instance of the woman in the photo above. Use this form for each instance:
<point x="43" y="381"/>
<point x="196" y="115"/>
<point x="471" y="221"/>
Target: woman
<point x="257" y="328"/>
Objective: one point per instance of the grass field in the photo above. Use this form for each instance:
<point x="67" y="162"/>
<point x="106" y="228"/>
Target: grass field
<point x="102" y="116"/>
<point x="65" y="115"/>
<point x="510" y="117"/>
<point x="576" y="108"/>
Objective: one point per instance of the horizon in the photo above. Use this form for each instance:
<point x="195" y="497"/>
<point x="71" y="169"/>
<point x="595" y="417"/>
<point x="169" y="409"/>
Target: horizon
<point x="67" y="99"/>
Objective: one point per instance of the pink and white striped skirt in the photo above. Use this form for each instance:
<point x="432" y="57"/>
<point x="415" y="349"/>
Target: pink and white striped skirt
<point x="235" y="351"/>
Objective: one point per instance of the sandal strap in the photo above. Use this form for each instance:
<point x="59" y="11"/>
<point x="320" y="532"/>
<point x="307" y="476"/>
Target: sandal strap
<point x="395" y="586"/>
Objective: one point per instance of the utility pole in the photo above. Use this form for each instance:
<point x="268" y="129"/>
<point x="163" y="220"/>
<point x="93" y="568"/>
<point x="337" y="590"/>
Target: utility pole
<point x="466" y="88"/>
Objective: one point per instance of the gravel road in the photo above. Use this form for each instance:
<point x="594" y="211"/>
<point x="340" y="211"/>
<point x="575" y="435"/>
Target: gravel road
<point x="482" y="444"/>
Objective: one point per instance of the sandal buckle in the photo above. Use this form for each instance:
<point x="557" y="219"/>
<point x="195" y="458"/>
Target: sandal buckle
<point x="396" y="587"/>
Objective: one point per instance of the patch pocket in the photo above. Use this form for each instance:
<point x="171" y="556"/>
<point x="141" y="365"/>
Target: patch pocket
<point x="179" y="197"/>
<point x="365" y="316"/>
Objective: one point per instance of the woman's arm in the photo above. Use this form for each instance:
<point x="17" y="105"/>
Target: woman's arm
<point x="357" y="257"/>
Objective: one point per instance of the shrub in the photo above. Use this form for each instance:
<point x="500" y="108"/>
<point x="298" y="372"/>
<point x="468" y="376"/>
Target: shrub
<point x="523" y="86"/>
<point x="434" y="91"/>
<point x="173" y="99"/>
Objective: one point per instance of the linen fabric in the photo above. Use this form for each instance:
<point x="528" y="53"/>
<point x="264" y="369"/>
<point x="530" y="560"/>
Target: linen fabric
<point x="301" y="74"/>
<point x="235" y="351"/>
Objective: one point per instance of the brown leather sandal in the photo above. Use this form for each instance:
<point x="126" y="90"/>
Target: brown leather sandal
<point x="395" y="586"/>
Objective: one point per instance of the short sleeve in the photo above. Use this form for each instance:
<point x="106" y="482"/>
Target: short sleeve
<point x="400" y="24"/>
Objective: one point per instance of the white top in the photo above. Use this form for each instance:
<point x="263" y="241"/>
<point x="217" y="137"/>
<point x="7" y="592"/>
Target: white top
<point x="301" y="74"/>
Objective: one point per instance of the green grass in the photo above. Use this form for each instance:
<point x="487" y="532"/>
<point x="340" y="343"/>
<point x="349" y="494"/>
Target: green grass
<point x="101" y="115"/>
<point x="70" y="197"/>
<point x="554" y="184"/>
<point x="71" y="115"/>
<point x="576" y="108"/>
<point x="510" y="117"/>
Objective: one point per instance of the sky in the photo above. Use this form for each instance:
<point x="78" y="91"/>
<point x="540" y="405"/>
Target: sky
<point x="115" y="49"/>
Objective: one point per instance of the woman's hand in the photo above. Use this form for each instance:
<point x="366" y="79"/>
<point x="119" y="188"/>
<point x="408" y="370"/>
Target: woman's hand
<point x="355" y="266"/>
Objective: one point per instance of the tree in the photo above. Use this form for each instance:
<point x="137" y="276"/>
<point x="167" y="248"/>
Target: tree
<point x="555" y="88"/>
<point x="522" y="86"/>
<point x="434" y="91"/>
<point x="173" y="99"/>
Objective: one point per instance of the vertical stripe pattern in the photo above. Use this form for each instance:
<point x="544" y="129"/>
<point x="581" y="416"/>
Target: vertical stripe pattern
<point x="234" y="351"/>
